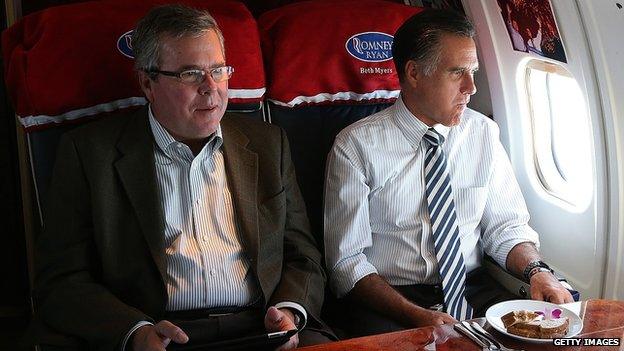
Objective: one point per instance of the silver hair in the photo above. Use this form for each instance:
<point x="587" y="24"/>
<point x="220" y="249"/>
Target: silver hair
<point x="168" y="20"/>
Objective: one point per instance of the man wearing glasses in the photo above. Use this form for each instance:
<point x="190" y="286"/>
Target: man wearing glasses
<point x="178" y="220"/>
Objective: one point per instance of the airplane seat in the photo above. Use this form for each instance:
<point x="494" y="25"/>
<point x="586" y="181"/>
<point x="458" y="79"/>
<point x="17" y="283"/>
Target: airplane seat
<point x="68" y="65"/>
<point x="328" y="65"/>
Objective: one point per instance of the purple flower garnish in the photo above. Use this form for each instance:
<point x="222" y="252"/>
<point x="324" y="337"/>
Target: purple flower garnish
<point x="556" y="313"/>
<point x="547" y="313"/>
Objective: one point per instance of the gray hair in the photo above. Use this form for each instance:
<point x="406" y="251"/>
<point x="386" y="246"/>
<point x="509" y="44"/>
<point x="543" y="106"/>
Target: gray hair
<point x="168" y="20"/>
<point x="419" y="38"/>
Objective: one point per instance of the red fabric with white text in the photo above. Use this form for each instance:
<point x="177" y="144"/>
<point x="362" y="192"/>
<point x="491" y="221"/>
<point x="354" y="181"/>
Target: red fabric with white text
<point x="307" y="60"/>
<point x="63" y="63"/>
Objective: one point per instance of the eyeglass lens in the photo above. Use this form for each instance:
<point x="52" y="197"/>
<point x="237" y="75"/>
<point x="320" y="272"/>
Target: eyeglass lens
<point x="218" y="74"/>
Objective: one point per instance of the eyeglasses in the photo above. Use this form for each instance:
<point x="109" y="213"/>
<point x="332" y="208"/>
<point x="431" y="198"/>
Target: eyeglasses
<point x="198" y="76"/>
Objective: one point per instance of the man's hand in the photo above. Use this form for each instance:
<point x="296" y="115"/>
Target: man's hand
<point x="157" y="337"/>
<point x="375" y="293"/>
<point x="546" y="287"/>
<point x="422" y="317"/>
<point x="281" y="320"/>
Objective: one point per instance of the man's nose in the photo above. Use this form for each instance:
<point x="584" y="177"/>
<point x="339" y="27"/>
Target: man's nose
<point x="468" y="85"/>
<point x="207" y="86"/>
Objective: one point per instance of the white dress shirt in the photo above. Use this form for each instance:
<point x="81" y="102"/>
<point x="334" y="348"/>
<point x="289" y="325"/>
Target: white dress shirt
<point x="376" y="217"/>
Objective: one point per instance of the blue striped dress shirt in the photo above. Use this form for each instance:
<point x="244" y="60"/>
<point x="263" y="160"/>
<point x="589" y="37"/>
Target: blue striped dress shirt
<point x="376" y="217"/>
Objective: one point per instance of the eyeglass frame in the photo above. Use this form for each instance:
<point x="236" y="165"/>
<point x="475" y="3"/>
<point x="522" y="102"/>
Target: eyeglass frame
<point x="206" y="73"/>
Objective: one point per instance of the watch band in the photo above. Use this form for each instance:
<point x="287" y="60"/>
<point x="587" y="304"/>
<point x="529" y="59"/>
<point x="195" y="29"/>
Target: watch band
<point x="536" y="270"/>
<point x="535" y="264"/>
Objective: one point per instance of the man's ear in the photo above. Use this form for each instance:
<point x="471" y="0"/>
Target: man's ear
<point x="412" y="73"/>
<point x="146" y="85"/>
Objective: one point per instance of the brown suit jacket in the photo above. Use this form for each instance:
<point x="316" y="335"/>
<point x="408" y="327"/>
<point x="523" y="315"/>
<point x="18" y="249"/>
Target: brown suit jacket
<point x="101" y="259"/>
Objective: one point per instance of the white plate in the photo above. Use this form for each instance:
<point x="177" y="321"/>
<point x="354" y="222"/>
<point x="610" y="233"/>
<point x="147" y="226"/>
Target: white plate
<point x="494" y="313"/>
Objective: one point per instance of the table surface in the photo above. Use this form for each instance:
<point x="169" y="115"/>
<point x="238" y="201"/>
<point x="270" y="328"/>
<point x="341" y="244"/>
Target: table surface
<point x="601" y="319"/>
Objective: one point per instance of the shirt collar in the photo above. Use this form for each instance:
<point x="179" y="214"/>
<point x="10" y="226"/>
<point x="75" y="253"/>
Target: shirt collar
<point x="165" y="141"/>
<point x="411" y="126"/>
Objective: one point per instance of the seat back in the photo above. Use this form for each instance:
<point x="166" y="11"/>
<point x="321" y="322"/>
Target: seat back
<point x="329" y="63"/>
<point x="71" y="64"/>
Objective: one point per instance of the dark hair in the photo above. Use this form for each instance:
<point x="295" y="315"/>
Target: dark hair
<point x="419" y="38"/>
<point x="168" y="20"/>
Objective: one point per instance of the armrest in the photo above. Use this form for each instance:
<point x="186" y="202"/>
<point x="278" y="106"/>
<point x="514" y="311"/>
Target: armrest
<point x="515" y="285"/>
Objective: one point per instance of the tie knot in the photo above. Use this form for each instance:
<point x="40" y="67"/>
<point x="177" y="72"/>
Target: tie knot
<point x="433" y="137"/>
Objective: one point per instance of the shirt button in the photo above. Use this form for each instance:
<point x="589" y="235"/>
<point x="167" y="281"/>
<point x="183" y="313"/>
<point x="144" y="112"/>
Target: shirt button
<point x="205" y="238"/>
<point x="197" y="201"/>
<point x="212" y="272"/>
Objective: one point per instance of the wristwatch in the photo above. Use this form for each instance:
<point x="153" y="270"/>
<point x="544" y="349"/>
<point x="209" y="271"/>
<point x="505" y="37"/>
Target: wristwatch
<point x="534" y="268"/>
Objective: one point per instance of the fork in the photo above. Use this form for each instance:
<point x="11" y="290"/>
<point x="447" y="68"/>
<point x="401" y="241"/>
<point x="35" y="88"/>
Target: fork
<point x="485" y="334"/>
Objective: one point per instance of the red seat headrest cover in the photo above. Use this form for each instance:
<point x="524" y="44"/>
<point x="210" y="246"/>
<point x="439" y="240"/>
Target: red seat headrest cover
<point x="319" y="52"/>
<point x="70" y="61"/>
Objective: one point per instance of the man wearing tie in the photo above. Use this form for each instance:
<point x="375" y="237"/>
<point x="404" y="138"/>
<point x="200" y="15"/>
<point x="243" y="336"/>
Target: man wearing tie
<point x="418" y="193"/>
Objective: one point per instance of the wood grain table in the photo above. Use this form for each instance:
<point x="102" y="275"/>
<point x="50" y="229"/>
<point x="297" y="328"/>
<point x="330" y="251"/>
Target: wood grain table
<point x="601" y="319"/>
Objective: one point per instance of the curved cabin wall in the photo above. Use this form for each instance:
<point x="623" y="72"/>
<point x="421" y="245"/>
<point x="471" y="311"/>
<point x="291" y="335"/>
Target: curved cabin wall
<point x="604" y="24"/>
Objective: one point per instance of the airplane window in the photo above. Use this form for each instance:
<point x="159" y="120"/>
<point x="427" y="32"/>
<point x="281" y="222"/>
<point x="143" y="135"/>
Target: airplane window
<point x="562" y="139"/>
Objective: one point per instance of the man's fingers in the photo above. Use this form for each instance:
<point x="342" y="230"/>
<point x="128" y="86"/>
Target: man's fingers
<point x="564" y="296"/>
<point x="536" y="294"/>
<point x="147" y="338"/>
<point x="447" y="319"/>
<point x="272" y="319"/>
<point x="442" y="318"/>
<point x="553" y="296"/>
<point x="568" y="297"/>
<point x="292" y="343"/>
<point x="168" y="330"/>
<point x="545" y="287"/>
<point x="277" y="320"/>
<point x="450" y="320"/>
<point x="561" y="296"/>
<point x="164" y="341"/>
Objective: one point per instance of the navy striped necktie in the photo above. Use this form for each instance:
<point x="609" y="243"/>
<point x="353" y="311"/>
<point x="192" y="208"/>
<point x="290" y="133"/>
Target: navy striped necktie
<point x="444" y="227"/>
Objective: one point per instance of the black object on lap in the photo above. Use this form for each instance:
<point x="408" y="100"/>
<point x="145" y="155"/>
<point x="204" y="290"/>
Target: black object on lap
<point x="225" y="329"/>
<point x="265" y="341"/>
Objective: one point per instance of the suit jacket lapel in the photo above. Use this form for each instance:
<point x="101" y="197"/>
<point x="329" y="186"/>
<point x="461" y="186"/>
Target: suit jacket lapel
<point x="137" y="173"/>
<point x="241" y="166"/>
